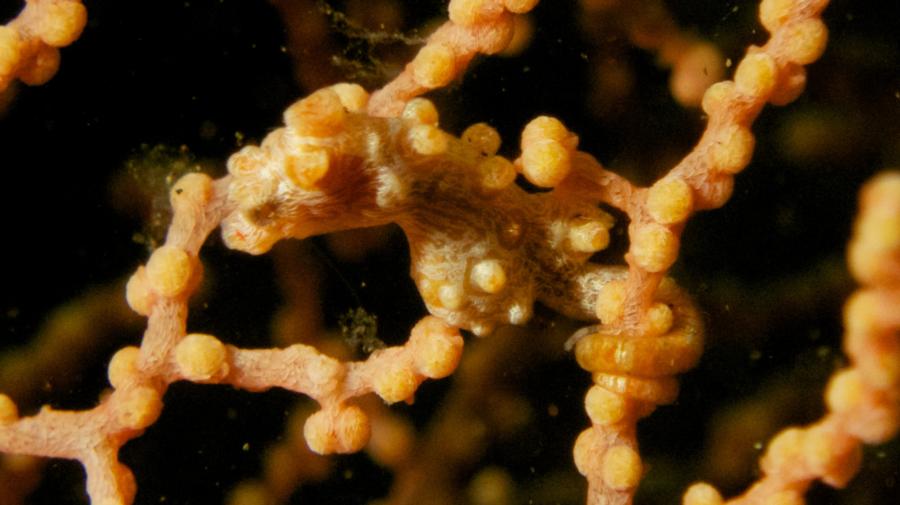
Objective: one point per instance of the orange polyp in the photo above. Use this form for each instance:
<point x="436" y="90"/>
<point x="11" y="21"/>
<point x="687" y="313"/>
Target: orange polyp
<point x="484" y="252"/>
<point x="169" y="271"/>
<point x="319" y="115"/>
<point x="622" y="467"/>
<point x="61" y="22"/>
<point x="434" y="66"/>
<point x="29" y="43"/>
<point x="9" y="413"/>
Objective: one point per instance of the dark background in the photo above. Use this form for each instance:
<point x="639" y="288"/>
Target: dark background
<point x="767" y="269"/>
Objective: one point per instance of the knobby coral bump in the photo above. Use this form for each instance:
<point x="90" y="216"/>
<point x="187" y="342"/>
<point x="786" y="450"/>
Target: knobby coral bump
<point x="497" y="232"/>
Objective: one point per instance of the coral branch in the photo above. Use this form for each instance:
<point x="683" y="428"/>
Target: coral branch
<point x="475" y="26"/>
<point x="487" y="248"/>
<point x="863" y="400"/>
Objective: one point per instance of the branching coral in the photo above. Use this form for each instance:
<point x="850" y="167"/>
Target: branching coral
<point x="483" y="251"/>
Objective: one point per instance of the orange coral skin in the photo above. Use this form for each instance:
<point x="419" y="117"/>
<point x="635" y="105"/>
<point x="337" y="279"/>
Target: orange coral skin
<point x="449" y="297"/>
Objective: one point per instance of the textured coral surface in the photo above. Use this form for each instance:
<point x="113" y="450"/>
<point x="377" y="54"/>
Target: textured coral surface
<point x="79" y="154"/>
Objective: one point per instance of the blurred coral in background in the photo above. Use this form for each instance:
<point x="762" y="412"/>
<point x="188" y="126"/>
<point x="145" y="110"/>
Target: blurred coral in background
<point x="155" y="90"/>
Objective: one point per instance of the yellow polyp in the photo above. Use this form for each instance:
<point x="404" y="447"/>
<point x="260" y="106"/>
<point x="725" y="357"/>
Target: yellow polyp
<point x="654" y="247"/>
<point x="169" y="271"/>
<point x="123" y="367"/>
<point x="829" y="454"/>
<point x="307" y="165"/>
<point x="427" y="140"/>
<point x="784" y="451"/>
<point x="127" y="484"/>
<point x="489" y="276"/>
<point x="880" y="231"/>
<point x="421" y="110"/>
<point x="246" y="161"/>
<point x="717" y="97"/>
<point x="450" y="296"/>
<point x="882" y="368"/>
<point x="523" y="35"/>
<point x="10" y="51"/>
<point x="622" y="467"/>
<point x="353" y="97"/>
<point x="700" y="65"/>
<point x="201" y="357"/>
<point x="805" y="40"/>
<point x="604" y="407"/>
<point x="107" y="501"/>
<point x="818" y="450"/>
<point x="61" y="22"/>
<point x="319" y="434"/>
<point x="544" y="128"/>
<point x="701" y="493"/>
<point x="864" y="263"/>
<point x="497" y="173"/>
<point x="882" y="194"/>
<point x="42" y="67"/>
<point x="396" y="382"/>
<point x="482" y="137"/>
<point x="667" y="287"/>
<point x="791" y="85"/>
<point x="845" y="391"/>
<point x="9" y="413"/>
<point x="670" y="200"/>
<point x="862" y="315"/>
<point x="658" y="319"/>
<point x="881" y="421"/>
<point x="611" y="301"/>
<point x="352" y="430"/>
<point x="756" y="75"/>
<point x="546" y="163"/>
<point x="320" y="114"/>
<point x="434" y="66"/>
<point x="437" y="348"/>
<point x="491" y="486"/>
<point x="732" y="149"/>
<point x="519" y="6"/>
<point x="470" y="12"/>
<point x="785" y="497"/>
<point x="773" y="13"/>
<point x="250" y="493"/>
<point x="138" y="294"/>
<point x="138" y="408"/>
<point x="464" y="12"/>
<point x="583" y="451"/>
<point x="191" y="190"/>
<point x="588" y="237"/>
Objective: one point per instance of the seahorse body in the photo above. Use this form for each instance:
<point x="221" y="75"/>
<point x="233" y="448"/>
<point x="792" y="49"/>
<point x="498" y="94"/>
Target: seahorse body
<point x="483" y="249"/>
